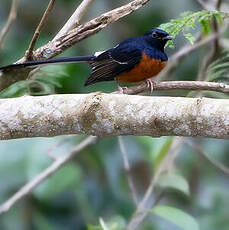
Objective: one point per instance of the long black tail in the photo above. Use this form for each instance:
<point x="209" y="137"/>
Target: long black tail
<point x="49" y="61"/>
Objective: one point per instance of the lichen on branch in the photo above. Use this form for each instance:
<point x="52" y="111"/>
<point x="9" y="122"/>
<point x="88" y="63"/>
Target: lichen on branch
<point x="113" y="115"/>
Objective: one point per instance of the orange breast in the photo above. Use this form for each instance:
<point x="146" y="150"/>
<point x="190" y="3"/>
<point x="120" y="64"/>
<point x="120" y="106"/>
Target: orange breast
<point x="148" y="67"/>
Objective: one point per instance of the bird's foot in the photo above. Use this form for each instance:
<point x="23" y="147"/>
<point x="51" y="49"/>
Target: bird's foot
<point x="121" y="89"/>
<point x="149" y="84"/>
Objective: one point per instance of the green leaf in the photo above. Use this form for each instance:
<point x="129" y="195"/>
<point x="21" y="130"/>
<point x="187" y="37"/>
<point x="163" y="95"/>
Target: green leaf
<point x="16" y="90"/>
<point x="163" y="152"/>
<point x="205" y="26"/>
<point x="93" y="227"/>
<point x="37" y="88"/>
<point x="219" y="17"/>
<point x="42" y="222"/>
<point x="176" y="216"/>
<point x="115" y="223"/>
<point x="103" y="224"/>
<point x="174" y="181"/>
<point x="190" y="37"/>
<point x="189" y="19"/>
<point x="170" y="44"/>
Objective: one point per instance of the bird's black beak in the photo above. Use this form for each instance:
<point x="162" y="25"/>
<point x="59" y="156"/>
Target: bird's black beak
<point x="167" y="38"/>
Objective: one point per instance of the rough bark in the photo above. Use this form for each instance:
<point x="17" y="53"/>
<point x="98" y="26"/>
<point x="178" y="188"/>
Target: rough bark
<point x="113" y="115"/>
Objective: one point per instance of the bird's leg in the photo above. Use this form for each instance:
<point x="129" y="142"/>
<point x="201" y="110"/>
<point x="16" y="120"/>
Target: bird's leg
<point x="121" y="89"/>
<point x="149" y="84"/>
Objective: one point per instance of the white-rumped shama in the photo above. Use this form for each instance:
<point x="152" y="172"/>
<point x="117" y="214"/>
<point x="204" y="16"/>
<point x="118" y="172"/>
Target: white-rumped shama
<point x="133" y="60"/>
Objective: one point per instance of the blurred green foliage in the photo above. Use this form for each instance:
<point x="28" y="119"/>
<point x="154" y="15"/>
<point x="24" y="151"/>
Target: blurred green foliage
<point x="188" y="20"/>
<point x="219" y="69"/>
<point x="92" y="191"/>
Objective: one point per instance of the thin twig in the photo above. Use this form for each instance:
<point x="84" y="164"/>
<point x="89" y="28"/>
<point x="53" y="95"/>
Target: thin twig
<point x="178" y="85"/>
<point x="28" y="54"/>
<point x="11" y="18"/>
<point x="73" y="21"/>
<point x="85" y="30"/>
<point x="146" y="202"/>
<point x="127" y="169"/>
<point x="31" y="185"/>
<point x="214" y="162"/>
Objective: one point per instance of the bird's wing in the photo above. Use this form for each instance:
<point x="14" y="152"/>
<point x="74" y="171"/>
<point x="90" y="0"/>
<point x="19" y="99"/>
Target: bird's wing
<point x="113" y="62"/>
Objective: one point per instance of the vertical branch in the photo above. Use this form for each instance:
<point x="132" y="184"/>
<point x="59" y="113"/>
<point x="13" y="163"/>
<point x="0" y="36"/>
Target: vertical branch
<point x="73" y="21"/>
<point x="11" y="18"/>
<point x="28" y="53"/>
<point x="127" y="170"/>
<point x="215" y="47"/>
<point x="218" y="4"/>
<point x="146" y="202"/>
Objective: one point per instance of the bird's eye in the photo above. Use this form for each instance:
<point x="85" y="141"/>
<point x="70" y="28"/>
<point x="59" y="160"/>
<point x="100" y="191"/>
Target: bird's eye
<point x="154" y="35"/>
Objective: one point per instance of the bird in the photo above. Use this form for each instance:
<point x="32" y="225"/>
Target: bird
<point x="135" y="59"/>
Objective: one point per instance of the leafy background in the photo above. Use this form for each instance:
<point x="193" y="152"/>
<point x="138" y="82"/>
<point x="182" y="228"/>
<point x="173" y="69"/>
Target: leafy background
<point x="94" y="184"/>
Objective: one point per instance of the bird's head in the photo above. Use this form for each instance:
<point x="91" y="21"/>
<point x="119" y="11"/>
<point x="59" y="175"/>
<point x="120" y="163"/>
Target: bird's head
<point x="157" y="38"/>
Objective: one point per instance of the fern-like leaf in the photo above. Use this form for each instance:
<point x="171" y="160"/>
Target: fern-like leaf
<point x="41" y="82"/>
<point x="189" y="19"/>
<point x="218" y="70"/>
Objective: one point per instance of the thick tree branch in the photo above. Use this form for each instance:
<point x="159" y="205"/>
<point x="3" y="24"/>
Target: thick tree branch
<point x="113" y="115"/>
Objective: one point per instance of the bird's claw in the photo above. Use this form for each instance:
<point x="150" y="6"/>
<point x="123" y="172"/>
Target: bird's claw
<point x="121" y="89"/>
<point x="149" y="84"/>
